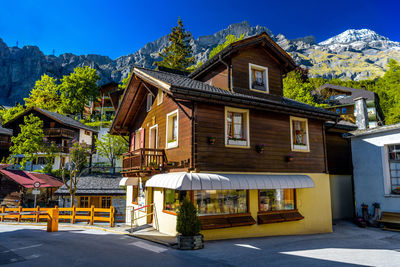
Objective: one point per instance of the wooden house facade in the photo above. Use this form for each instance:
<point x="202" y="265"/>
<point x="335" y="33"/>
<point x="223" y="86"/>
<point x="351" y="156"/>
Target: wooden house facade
<point x="252" y="161"/>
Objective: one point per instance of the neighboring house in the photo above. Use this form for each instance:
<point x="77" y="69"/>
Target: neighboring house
<point x="376" y="163"/>
<point x="58" y="129"/>
<point x="5" y="143"/>
<point x="16" y="188"/>
<point x="252" y="161"/>
<point x="98" y="190"/>
<point x="342" y="101"/>
<point x="102" y="108"/>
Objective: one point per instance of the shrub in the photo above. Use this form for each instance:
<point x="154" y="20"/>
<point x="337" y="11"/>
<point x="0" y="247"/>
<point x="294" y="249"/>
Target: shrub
<point x="188" y="223"/>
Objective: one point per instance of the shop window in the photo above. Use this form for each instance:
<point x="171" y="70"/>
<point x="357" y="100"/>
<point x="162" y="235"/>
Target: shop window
<point x="276" y="199"/>
<point x="173" y="199"/>
<point x="135" y="195"/>
<point x="299" y="134"/>
<point x="105" y="202"/>
<point x="172" y="129"/>
<point x="219" y="202"/>
<point x="394" y="168"/>
<point x="258" y="78"/>
<point x="160" y="97"/>
<point x="237" y="127"/>
<point x="149" y="102"/>
<point x="83" y="202"/>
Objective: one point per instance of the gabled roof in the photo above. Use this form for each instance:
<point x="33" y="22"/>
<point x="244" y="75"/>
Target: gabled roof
<point x="26" y="179"/>
<point x="355" y="93"/>
<point x="262" y="38"/>
<point x="379" y="129"/>
<point x="65" y="120"/>
<point x="96" y="184"/>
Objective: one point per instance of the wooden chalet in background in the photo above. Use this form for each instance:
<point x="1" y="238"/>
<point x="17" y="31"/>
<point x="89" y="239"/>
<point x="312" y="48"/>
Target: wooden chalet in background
<point x="5" y="142"/>
<point x="58" y="129"/>
<point x="227" y="138"/>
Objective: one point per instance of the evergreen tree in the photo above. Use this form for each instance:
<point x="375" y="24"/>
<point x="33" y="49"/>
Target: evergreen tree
<point x="178" y="55"/>
<point x="45" y="94"/>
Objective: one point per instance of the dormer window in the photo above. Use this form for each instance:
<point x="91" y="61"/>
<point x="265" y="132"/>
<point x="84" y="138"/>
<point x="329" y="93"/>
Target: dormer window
<point x="258" y="78"/>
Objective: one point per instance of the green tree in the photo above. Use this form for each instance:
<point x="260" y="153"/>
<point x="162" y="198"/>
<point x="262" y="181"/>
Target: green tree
<point x="30" y="140"/>
<point x="45" y="94"/>
<point x="178" y="55"/>
<point x="8" y="114"/>
<point x="78" y="159"/>
<point x="297" y="87"/>
<point x="125" y="81"/>
<point x="77" y="89"/>
<point x="111" y="147"/>
<point x="229" y="39"/>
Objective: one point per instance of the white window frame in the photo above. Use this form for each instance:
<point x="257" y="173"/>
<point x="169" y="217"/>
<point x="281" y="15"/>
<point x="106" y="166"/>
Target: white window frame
<point x="246" y="117"/>
<point x="160" y="97"/>
<point x="293" y="146"/>
<point x="265" y="69"/>
<point x="149" y="103"/>
<point x="150" y="136"/>
<point x="176" y="142"/>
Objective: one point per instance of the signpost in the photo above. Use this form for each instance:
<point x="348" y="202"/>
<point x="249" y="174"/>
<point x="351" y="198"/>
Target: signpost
<point x="36" y="191"/>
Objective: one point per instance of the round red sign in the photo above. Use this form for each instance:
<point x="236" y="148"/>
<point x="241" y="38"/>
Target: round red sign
<point x="36" y="184"/>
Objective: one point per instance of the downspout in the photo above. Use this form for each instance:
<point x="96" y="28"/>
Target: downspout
<point x="229" y="72"/>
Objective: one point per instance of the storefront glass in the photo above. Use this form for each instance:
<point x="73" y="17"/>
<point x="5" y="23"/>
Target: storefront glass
<point x="277" y="199"/>
<point x="216" y="202"/>
<point x="173" y="199"/>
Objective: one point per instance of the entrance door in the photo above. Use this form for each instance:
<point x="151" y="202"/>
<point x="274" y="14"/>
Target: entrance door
<point x="153" y="136"/>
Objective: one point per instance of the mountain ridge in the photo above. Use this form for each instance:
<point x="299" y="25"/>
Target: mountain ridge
<point x="353" y="54"/>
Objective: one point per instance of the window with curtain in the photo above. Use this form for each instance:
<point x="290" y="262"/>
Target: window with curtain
<point x="299" y="134"/>
<point x="172" y="129"/>
<point x="237" y="123"/>
<point x="394" y="168"/>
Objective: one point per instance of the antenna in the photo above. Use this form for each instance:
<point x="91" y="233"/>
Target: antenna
<point x="17" y="43"/>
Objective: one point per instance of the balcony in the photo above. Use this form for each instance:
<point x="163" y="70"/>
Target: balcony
<point x="144" y="161"/>
<point x="59" y="132"/>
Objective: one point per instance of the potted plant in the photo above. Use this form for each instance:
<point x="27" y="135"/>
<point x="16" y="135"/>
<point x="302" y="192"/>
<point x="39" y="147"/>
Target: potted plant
<point x="396" y="190"/>
<point x="188" y="226"/>
<point x="289" y="158"/>
<point x="260" y="148"/>
<point x="211" y="140"/>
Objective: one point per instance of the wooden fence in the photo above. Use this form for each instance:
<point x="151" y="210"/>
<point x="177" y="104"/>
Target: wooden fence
<point x="91" y="215"/>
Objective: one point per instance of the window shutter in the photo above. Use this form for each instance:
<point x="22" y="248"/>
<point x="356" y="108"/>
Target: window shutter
<point x="132" y="141"/>
<point x="142" y="138"/>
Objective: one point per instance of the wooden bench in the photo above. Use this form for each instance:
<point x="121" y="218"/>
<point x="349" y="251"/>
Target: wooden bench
<point x="275" y="217"/>
<point x="216" y="222"/>
<point x="390" y="220"/>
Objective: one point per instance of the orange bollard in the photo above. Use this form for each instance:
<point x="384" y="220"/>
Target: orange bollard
<point x="52" y="221"/>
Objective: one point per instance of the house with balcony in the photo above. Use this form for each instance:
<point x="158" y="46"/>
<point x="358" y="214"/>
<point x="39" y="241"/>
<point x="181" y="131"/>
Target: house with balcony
<point x="5" y="143"/>
<point x="59" y="130"/>
<point x="253" y="162"/>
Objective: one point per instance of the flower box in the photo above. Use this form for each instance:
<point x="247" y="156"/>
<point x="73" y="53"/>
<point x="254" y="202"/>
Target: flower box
<point x="237" y="142"/>
<point x="300" y="147"/>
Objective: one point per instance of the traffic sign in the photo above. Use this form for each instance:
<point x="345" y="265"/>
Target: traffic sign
<point x="36" y="184"/>
<point x="36" y="192"/>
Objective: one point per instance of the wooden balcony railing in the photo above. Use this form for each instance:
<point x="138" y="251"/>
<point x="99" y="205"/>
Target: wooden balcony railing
<point x="59" y="132"/>
<point x="144" y="159"/>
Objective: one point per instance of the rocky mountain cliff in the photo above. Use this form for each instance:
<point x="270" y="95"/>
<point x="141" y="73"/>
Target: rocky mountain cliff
<point x="353" y="54"/>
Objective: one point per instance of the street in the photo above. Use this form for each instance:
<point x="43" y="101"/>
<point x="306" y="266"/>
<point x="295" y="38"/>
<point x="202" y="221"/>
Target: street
<point x="22" y="245"/>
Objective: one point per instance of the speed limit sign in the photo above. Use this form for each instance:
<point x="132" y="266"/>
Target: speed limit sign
<point x="36" y="184"/>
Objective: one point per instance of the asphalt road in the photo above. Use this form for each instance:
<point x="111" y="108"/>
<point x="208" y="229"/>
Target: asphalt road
<point x="23" y="245"/>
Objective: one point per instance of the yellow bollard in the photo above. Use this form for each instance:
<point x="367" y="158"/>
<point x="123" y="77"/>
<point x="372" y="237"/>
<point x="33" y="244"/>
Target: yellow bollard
<point x="52" y="221"/>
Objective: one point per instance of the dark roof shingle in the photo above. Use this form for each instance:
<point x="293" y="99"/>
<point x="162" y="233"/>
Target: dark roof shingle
<point x="96" y="184"/>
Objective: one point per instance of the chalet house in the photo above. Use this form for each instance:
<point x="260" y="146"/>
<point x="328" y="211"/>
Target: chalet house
<point x="342" y="100"/>
<point x="16" y="188"/>
<point x="253" y="162"/>
<point x="5" y="143"/>
<point x="103" y="107"/>
<point x="58" y="129"/>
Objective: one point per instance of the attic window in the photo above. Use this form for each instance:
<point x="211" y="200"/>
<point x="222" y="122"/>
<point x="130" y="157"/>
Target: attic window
<point x="258" y="78"/>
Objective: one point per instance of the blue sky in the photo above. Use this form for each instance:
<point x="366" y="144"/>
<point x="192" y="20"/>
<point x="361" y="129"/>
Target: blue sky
<point x="119" y="27"/>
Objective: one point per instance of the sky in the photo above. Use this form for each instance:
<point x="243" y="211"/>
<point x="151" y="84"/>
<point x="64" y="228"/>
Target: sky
<point x="119" y="27"/>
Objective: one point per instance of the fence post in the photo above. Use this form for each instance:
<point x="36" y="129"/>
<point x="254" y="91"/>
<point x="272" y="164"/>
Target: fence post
<point x="52" y="221"/>
<point x="73" y="214"/>
<point x="3" y="210"/>
<point x="19" y="215"/>
<point x="112" y="210"/>
<point x="92" y="215"/>
<point x="37" y="214"/>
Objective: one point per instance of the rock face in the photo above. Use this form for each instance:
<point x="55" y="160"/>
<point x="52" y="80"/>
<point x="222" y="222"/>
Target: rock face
<point x="353" y="54"/>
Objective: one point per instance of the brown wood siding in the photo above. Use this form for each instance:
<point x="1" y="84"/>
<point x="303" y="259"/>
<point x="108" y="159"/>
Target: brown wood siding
<point x="338" y="153"/>
<point x="10" y="192"/>
<point x="271" y="129"/>
<point x="158" y="115"/>
<point x="258" y="56"/>
<point x="217" y="77"/>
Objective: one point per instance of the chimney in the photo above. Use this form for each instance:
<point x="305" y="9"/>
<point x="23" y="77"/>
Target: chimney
<point x="361" y="113"/>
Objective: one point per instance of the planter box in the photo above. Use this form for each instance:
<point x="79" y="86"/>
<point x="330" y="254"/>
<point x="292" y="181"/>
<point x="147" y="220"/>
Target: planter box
<point x="237" y="142"/>
<point x="300" y="147"/>
<point x="190" y="242"/>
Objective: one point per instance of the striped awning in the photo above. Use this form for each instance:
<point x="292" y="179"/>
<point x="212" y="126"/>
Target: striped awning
<point x="211" y="181"/>
<point x="129" y="181"/>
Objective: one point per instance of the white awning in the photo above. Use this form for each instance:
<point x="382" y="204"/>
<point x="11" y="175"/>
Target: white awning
<point x="128" y="181"/>
<point x="210" y="181"/>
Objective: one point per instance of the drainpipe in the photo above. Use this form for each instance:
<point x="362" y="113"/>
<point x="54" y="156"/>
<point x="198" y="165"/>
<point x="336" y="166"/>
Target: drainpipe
<point x="229" y="72"/>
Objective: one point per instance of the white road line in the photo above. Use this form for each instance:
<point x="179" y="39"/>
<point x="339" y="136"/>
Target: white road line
<point x="146" y="246"/>
<point x="15" y="249"/>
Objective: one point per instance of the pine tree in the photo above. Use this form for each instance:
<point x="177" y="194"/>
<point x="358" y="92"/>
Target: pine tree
<point x="178" y="55"/>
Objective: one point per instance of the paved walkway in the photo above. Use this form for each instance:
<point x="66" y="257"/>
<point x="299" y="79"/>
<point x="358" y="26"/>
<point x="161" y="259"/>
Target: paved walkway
<point x="348" y="245"/>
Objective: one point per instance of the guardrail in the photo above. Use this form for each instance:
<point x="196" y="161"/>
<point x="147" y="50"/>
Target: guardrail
<point x="73" y="214"/>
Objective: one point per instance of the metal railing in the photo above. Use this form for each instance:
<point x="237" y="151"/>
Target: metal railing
<point x="144" y="159"/>
<point x="140" y="209"/>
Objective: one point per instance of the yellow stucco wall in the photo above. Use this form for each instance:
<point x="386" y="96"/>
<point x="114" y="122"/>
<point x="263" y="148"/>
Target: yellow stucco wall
<point x="313" y="203"/>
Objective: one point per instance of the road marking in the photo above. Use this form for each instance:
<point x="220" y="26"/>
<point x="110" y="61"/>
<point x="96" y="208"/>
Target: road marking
<point x="146" y="246"/>
<point x="247" y="246"/>
<point x="15" y="249"/>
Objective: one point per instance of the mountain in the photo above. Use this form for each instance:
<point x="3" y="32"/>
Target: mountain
<point x="353" y="54"/>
